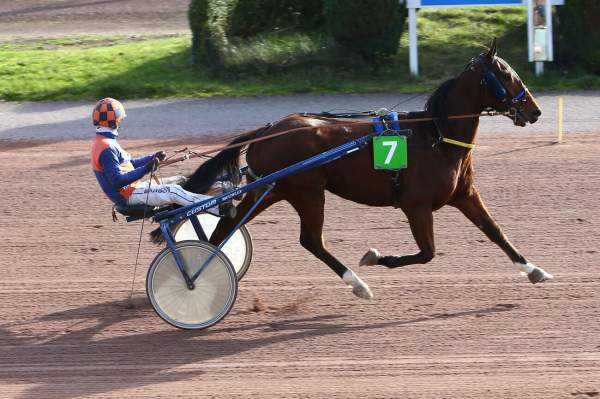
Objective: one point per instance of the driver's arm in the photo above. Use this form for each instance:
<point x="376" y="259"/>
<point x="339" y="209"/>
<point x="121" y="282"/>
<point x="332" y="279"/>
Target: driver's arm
<point x="112" y="169"/>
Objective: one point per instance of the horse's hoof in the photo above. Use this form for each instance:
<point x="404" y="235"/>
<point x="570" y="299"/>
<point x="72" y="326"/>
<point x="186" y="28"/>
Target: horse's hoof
<point x="539" y="276"/>
<point x="362" y="291"/>
<point x="359" y="287"/>
<point x="534" y="274"/>
<point x="370" y="258"/>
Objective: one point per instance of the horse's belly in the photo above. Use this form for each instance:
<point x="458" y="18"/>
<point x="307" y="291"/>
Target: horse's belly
<point x="356" y="181"/>
<point x="354" y="178"/>
<point x="364" y="197"/>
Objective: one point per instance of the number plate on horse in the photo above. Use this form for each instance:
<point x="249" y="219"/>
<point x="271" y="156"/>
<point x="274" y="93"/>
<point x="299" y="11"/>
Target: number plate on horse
<point x="390" y="152"/>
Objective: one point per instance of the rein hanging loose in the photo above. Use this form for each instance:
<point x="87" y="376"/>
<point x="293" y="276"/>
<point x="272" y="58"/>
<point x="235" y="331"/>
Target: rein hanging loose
<point x="189" y="153"/>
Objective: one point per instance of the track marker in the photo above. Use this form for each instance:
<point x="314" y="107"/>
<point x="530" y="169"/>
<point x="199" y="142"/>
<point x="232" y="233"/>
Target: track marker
<point x="560" y="119"/>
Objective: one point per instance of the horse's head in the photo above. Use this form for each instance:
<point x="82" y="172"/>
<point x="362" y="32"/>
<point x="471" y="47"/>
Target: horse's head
<point x="503" y="89"/>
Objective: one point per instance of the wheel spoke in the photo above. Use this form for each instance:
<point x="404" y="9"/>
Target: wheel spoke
<point x="238" y="249"/>
<point x="210" y="300"/>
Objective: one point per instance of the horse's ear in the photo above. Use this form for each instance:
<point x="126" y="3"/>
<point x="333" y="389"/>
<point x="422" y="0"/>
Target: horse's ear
<point x="492" y="51"/>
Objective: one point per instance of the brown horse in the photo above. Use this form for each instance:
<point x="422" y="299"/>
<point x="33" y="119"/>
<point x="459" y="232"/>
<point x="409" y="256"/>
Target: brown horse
<point x="440" y="172"/>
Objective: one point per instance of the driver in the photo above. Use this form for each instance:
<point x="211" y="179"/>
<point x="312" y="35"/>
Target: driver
<point x="119" y="175"/>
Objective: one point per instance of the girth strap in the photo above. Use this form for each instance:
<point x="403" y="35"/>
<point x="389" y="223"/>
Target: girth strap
<point x="396" y="188"/>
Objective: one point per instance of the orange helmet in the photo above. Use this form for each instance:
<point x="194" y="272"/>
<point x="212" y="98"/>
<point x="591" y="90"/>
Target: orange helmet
<point x="108" y="112"/>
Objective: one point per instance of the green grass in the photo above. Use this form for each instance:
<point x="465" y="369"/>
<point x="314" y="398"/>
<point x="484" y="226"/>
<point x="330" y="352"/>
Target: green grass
<point x="282" y="63"/>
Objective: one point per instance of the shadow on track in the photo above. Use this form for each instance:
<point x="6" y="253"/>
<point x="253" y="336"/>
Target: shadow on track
<point x="130" y="360"/>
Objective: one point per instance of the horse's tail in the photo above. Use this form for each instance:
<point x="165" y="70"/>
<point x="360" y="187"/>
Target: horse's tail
<point x="226" y="161"/>
<point x="205" y="176"/>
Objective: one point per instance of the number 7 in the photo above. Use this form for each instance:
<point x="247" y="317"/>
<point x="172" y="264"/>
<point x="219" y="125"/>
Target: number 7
<point x="392" y="145"/>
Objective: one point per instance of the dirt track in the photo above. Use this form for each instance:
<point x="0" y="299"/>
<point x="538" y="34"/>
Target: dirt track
<point x="466" y="325"/>
<point x="25" y="19"/>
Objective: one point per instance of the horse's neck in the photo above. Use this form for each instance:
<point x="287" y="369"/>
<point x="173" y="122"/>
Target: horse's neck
<point x="463" y="99"/>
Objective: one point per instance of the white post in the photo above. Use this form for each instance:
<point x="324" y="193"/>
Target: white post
<point x="539" y="68"/>
<point x="530" y="30"/>
<point x="412" y="35"/>
<point x="549" y="27"/>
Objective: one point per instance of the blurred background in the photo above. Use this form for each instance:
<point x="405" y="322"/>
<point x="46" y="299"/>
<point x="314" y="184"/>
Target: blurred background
<point x="88" y="49"/>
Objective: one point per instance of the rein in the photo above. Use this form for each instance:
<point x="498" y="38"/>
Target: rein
<point x="189" y="154"/>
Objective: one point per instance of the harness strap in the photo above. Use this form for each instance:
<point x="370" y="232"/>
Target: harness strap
<point x="192" y="154"/>
<point x="396" y="188"/>
<point x="458" y="143"/>
<point x="442" y="139"/>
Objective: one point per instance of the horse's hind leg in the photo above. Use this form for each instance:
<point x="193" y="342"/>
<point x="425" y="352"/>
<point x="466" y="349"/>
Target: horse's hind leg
<point x="225" y="225"/>
<point x="471" y="205"/>
<point x="421" y="225"/>
<point x="310" y="208"/>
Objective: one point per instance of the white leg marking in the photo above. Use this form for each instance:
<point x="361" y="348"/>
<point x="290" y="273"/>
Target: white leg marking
<point x="534" y="273"/>
<point x="359" y="287"/>
<point x="525" y="268"/>
<point x="370" y="258"/>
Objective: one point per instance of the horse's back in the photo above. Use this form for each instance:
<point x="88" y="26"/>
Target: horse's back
<point x="299" y="144"/>
<point x="351" y="177"/>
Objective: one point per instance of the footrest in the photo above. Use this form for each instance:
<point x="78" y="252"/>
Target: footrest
<point x="136" y="210"/>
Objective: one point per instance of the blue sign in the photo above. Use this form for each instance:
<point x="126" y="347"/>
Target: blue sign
<point x="426" y="3"/>
<point x="466" y="3"/>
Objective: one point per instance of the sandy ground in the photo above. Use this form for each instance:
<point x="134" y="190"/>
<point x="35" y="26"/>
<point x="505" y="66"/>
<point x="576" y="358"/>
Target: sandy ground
<point x="467" y="325"/>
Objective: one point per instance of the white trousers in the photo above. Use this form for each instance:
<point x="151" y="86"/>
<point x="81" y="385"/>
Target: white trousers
<point x="166" y="193"/>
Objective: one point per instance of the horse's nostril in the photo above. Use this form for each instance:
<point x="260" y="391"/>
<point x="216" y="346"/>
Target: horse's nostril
<point x="537" y="113"/>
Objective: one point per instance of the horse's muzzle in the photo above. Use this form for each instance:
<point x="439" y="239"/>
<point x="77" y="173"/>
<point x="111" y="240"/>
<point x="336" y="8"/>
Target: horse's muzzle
<point x="534" y="116"/>
<point x="521" y="118"/>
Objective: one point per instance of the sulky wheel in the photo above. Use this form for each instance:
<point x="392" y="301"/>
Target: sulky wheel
<point x="211" y="298"/>
<point x="238" y="249"/>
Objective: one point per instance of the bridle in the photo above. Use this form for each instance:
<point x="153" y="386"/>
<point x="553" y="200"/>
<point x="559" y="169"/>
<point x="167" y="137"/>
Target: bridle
<point x="515" y="105"/>
<point x="512" y="106"/>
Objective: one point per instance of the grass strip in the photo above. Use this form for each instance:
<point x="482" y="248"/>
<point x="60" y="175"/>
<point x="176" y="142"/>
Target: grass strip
<point x="281" y="63"/>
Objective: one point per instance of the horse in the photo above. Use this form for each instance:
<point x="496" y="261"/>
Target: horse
<point x="440" y="173"/>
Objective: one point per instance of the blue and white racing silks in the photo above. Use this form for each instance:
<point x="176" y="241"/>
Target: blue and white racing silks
<point x="115" y="170"/>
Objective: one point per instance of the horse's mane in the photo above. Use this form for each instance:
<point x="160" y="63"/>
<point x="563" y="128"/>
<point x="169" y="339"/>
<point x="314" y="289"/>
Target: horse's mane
<point x="436" y="103"/>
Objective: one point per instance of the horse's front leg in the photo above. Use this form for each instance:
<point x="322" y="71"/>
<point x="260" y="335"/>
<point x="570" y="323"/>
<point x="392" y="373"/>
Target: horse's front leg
<point x="421" y="225"/>
<point x="471" y="205"/>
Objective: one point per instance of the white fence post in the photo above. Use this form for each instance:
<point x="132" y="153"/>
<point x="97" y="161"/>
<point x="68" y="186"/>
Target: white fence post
<point x="412" y="39"/>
